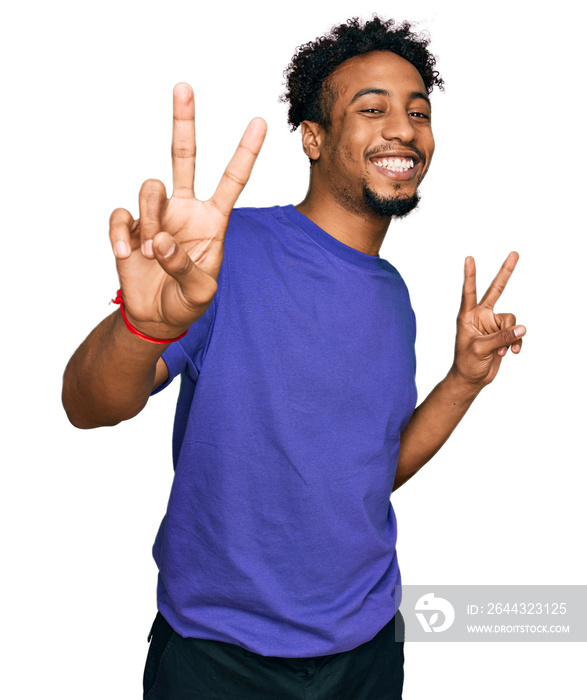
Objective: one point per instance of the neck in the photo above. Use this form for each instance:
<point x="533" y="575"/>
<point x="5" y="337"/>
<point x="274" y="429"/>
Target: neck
<point x="357" y="229"/>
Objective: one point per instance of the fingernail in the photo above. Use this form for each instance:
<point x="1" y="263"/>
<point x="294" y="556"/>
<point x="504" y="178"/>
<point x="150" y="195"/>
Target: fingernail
<point x="167" y="252"/>
<point x="148" y="248"/>
<point x="120" y="249"/>
<point x="518" y="330"/>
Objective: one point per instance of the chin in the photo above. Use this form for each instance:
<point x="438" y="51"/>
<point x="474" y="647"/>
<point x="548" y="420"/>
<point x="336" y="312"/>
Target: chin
<point x="390" y="207"/>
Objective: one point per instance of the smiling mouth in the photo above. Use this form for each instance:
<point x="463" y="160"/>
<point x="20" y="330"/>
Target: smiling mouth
<point x="395" y="165"/>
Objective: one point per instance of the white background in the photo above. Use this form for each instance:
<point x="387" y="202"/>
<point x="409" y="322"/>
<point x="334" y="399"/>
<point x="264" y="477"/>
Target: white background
<point x="87" y="117"/>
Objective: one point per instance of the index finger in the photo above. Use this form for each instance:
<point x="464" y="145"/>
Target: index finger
<point x="239" y="169"/>
<point x="501" y="279"/>
<point x="469" y="298"/>
<point x="183" y="142"/>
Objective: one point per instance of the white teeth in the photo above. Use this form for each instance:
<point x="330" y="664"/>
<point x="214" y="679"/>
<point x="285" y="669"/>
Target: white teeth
<point x="396" y="165"/>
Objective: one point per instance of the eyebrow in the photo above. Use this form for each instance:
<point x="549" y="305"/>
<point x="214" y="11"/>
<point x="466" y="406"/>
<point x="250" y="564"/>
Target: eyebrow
<point x="379" y="91"/>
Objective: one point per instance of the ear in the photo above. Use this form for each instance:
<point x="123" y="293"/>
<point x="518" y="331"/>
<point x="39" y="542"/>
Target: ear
<point x="312" y="139"/>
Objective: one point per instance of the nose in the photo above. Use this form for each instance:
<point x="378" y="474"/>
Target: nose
<point x="397" y="125"/>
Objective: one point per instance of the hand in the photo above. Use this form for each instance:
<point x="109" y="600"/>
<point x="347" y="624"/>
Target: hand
<point x="483" y="336"/>
<point x="168" y="260"/>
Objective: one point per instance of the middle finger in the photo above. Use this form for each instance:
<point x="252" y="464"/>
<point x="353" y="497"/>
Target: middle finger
<point x="183" y="144"/>
<point x="501" y="279"/>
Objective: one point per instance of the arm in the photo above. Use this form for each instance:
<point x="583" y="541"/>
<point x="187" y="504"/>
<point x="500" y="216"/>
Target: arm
<point x="483" y="338"/>
<point x="111" y="375"/>
<point x="168" y="262"/>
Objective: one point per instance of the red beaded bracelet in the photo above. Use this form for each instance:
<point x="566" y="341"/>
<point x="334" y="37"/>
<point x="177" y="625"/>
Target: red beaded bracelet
<point x="132" y="329"/>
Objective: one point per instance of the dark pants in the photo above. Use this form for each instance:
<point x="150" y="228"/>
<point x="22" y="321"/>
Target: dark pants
<point x="201" y="669"/>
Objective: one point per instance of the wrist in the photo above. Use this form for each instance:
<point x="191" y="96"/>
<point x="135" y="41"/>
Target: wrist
<point x="159" y="335"/>
<point x="460" y="387"/>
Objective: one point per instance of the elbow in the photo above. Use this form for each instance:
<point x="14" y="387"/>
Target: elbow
<point x="85" y="415"/>
<point x="84" y="420"/>
<point x="89" y="406"/>
<point x="85" y="423"/>
<point x="81" y="413"/>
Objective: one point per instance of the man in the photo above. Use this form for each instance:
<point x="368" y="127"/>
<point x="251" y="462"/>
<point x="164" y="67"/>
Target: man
<point x="295" y="419"/>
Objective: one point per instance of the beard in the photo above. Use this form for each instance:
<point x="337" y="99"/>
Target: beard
<point x="366" y="201"/>
<point x="390" y="207"/>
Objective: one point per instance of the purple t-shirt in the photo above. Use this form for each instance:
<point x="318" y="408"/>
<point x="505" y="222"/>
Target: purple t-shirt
<point x="296" y="384"/>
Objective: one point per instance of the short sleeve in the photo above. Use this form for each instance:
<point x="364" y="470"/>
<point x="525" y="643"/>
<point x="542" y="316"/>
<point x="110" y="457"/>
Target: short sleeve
<point x="188" y="354"/>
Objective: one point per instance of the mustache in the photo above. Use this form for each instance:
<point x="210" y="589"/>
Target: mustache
<point x="392" y="146"/>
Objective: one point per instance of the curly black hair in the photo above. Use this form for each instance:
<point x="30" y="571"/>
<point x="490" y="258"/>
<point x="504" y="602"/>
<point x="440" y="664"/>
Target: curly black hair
<point x="306" y="76"/>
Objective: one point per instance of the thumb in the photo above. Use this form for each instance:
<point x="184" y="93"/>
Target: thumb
<point x="195" y="286"/>
<point x="486" y="344"/>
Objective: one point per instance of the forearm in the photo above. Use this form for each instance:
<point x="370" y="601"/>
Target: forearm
<point x="110" y="376"/>
<point x="432" y="424"/>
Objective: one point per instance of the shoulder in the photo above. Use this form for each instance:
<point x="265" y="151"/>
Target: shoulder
<point x="253" y="217"/>
<point x="392" y="274"/>
<point x="250" y="228"/>
<point x="388" y="267"/>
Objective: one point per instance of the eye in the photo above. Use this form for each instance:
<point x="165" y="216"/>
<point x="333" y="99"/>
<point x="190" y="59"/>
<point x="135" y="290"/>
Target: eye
<point x="420" y="115"/>
<point x="371" y="110"/>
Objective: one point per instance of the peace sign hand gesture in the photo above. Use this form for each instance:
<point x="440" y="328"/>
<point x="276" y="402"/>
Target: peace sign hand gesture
<point x="168" y="260"/>
<point x="483" y="336"/>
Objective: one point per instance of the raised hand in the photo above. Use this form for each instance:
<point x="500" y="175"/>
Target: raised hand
<point x="483" y="336"/>
<point x="169" y="258"/>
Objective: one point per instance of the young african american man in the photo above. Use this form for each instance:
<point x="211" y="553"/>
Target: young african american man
<point x="296" y="414"/>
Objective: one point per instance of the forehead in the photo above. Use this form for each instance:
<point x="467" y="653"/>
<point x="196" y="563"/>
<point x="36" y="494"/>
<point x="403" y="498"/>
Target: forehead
<point x="377" y="69"/>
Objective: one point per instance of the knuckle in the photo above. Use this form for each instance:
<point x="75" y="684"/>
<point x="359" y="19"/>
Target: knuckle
<point x="235" y="177"/>
<point x="184" y="264"/>
<point x="201" y="293"/>
<point x="183" y="192"/>
<point x="120" y="215"/>
<point x="182" y="152"/>
<point x="507" y="337"/>
<point x="248" y="149"/>
<point x="152" y="182"/>
<point x="151" y="198"/>
<point x="152" y="188"/>
<point x="507" y="319"/>
<point x="224" y="211"/>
